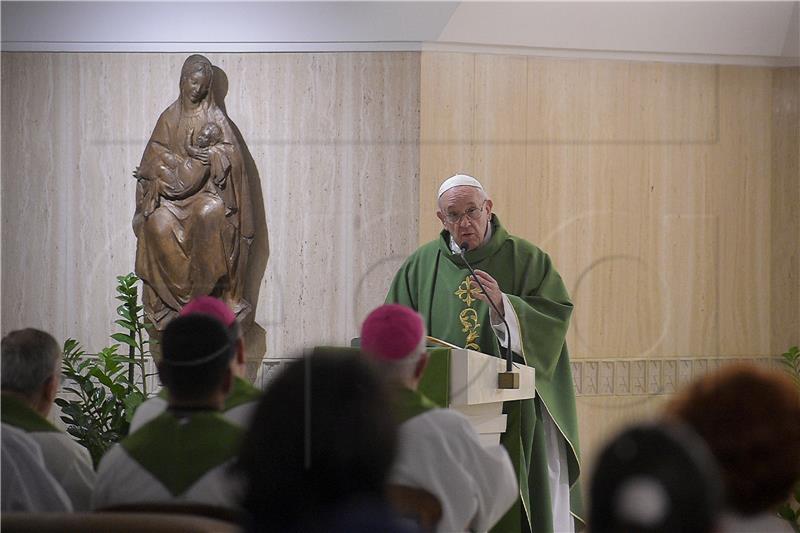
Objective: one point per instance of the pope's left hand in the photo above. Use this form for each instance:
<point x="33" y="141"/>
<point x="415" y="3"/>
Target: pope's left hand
<point x="492" y="290"/>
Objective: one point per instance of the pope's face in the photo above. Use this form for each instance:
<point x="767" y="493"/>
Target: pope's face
<point x="195" y="86"/>
<point x="465" y="213"/>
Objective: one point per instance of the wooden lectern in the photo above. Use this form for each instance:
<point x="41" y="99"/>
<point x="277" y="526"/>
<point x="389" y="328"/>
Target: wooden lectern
<point x="466" y="381"/>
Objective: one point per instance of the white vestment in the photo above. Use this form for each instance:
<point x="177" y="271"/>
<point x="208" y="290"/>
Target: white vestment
<point x="27" y="485"/>
<point x="440" y="451"/>
<point x="70" y="464"/>
<point x="122" y="480"/>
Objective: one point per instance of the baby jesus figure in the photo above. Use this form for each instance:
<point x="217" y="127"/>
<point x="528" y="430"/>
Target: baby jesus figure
<point x="177" y="177"/>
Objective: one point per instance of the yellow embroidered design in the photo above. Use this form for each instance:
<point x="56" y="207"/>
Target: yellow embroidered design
<point x="469" y="319"/>
<point x="465" y="292"/>
<point x="469" y="316"/>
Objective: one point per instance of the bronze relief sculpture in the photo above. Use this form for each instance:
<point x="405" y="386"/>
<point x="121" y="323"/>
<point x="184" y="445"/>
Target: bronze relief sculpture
<point x="193" y="219"/>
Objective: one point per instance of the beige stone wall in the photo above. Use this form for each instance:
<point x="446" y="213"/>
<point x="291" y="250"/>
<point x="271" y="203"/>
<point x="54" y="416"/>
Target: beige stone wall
<point x="667" y="195"/>
<point x="334" y="137"/>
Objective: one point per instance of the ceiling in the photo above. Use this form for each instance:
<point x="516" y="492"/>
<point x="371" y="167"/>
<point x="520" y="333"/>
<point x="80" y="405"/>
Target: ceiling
<point x="758" y="33"/>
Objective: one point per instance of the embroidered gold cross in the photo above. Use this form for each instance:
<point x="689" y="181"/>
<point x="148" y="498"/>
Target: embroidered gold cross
<point x="466" y="292"/>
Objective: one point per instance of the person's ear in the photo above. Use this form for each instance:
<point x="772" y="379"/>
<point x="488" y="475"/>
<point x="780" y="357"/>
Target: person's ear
<point x="441" y="217"/>
<point x="421" y="365"/>
<point x="489" y="205"/>
<point x="47" y="394"/>
<point x="52" y="384"/>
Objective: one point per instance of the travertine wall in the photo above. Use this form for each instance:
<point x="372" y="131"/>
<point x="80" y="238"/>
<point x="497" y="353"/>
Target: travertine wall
<point x="667" y="195"/>
<point x="334" y="137"/>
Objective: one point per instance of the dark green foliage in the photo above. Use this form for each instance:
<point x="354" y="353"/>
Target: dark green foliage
<point x="103" y="388"/>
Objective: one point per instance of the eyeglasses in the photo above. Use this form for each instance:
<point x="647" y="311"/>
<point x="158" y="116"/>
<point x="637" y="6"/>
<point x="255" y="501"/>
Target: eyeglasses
<point x="473" y="213"/>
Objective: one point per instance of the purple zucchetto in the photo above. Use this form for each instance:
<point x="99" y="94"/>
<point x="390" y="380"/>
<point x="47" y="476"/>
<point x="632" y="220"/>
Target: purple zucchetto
<point x="392" y="332"/>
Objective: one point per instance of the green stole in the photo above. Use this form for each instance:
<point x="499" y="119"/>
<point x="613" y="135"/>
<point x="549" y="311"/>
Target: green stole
<point x="180" y="450"/>
<point x="17" y="413"/>
<point x="410" y="403"/>
<point x="435" y="282"/>
<point x="242" y="392"/>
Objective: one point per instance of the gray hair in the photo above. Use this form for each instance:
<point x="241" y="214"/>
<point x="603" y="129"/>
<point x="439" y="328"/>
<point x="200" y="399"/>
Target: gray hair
<point x="29" y="357"/>
<point x="404" y="368"/>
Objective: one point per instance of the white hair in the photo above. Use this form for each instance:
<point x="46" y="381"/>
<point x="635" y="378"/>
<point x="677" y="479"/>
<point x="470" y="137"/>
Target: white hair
<point x="403" y="369"/>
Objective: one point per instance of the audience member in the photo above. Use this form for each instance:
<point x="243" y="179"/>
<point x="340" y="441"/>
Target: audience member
<point x="438" y="449"/>
<point x="26" y="483"/>
<point x="319" y="450"/>
<point x="652" y="479"/>
<point x="31" y="378"/>
<point x="750" y="418"/>
<point x="183" y="454"/>
<point x="241" y="402"/>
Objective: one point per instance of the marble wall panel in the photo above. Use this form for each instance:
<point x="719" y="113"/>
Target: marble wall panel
<point x="650" y="185"/>
<point x="666" y="195"/>
<point x="785" y="207"/>
<point x="335" y="140"/>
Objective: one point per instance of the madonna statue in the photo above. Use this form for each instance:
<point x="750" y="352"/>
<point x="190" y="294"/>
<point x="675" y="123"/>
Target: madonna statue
<point x="193" y="220"/>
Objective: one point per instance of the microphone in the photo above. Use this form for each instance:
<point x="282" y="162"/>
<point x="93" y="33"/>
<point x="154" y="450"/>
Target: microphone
<point x="509" y="357"/>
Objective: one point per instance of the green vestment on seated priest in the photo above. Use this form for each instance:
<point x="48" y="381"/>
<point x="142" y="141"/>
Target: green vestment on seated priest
<point x="435" y="282"/>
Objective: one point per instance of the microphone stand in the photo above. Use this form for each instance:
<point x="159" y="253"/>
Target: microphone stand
<point x="507" y="379"/>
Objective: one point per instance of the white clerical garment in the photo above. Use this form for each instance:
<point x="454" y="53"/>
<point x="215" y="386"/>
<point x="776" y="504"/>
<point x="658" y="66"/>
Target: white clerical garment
<point x="173" y="458"/>
<point x="68" y="462"/>
<point x="27" y="485"/>
<point x="440" y="451"/>
<point x="122" y="480"/>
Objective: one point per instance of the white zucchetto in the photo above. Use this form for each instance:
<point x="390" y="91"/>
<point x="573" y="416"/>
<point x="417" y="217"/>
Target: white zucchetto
<point x="458" y="180"/>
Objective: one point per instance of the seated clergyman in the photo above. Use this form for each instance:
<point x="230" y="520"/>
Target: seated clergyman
<point x="183" y="454"/>
<point x="27" y="485"/>
<point x="31" y="361"/>
<point x="243" y="397"/>
<point x="438" y="449"/>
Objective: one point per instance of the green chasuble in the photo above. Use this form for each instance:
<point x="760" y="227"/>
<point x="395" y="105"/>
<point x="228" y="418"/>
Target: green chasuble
<point x="435" y="282"/>
<point x="180" y="450"/>
<point x="17" y="413"/>
<point x="241" y="393"/>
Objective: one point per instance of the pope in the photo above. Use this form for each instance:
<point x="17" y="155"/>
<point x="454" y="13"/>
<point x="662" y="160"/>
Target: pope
<point x="542" y="434"/>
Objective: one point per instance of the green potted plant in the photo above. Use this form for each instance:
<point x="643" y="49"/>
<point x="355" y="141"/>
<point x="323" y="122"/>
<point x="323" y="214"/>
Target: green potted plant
<point x="107" y="387"/>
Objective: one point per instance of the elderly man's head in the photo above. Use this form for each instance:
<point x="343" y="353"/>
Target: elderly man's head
<point x="465" y="210"/>
<point x="31" y="361"/>
<point x="393" y="336"/>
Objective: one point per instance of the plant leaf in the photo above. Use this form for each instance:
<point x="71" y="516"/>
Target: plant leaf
<point x="125" y="324"/>
<point x="125" y="339"/>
